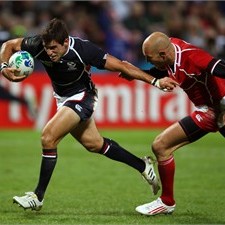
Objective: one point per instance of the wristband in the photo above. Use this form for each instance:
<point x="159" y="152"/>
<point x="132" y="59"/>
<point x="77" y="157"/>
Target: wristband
<point x="155" y="82"/>
<point x="3" y="66"/>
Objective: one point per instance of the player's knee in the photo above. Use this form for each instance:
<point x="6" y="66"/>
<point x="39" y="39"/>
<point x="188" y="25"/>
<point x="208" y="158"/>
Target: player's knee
<point x="93" y="145"/>
<point x="47" y="140"/>
<point x="159" y="146"/>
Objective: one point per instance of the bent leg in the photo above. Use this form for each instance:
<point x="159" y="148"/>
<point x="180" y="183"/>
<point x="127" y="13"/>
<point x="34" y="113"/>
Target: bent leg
<point x="174" y="137"/>
<point x="60" y="125"/>
<point x="179" y="134"/>
<point x="164" y="145"/>
<point x="168" y="141"/>
<point x="88" y="135"/>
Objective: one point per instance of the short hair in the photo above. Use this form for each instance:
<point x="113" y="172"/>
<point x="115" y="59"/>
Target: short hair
<point x="56" y="30"/>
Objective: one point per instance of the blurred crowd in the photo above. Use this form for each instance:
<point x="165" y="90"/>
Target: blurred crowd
<point x="121" y="26"/>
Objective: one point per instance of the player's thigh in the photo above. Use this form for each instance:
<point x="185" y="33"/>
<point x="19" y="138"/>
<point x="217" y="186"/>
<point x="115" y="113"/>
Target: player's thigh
<point x="88" y="135"/>
<point x="168" y="141"/>
<point x="171" y="138"/>
<point x="61" y="124"/>
<point x="180" y="133"/>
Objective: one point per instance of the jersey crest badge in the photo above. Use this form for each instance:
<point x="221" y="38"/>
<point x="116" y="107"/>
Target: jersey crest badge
<point x="71" y="66"/>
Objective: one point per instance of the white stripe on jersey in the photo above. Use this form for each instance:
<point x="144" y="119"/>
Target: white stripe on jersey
<point x="71" y="47"/>
<point x="215" y="66"/>
<point x="72" y="42"/>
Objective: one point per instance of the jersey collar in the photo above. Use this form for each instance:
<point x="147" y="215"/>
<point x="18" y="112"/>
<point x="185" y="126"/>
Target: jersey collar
<point x="70" y="42"/>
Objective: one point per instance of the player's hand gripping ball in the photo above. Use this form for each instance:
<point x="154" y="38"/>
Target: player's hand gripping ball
<point x="23" y="61"/>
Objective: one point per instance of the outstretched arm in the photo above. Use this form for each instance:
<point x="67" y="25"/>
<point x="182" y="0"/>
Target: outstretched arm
<point x="130" y="72"/>
<point x="7" y="49"/>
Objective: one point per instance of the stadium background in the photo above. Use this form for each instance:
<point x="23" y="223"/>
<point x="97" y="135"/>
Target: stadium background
<point x="119" y="27"/>
<point x="90" y="189"/>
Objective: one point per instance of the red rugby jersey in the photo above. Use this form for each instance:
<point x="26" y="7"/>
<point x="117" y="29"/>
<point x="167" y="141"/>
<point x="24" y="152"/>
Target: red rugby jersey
<point x="190" y="71"/>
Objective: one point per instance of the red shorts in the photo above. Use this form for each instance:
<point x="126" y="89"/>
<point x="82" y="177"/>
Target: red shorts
<point x="206" y="119"/>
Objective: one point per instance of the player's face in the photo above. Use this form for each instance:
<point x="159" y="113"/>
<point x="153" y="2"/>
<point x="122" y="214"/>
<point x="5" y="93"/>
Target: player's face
<point x="55" y="50"/>
<point x="157" y="60"/>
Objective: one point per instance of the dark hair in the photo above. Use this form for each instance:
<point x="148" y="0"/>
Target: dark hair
<point x="56" y="30"/>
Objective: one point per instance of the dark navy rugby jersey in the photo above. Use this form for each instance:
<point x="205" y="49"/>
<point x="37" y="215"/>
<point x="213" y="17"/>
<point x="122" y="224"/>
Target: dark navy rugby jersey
<point x="72" y="73"/>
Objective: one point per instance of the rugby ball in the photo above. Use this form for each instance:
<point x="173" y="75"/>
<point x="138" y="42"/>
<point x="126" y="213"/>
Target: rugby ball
<point x="23" y="61"/>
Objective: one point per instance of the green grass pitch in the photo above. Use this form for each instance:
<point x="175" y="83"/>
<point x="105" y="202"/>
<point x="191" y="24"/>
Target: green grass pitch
<point x="88" y="188"/>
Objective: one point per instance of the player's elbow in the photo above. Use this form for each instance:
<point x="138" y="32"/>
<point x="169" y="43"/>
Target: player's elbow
<point x="12" y="45"/>
<point x="116" y="65"/>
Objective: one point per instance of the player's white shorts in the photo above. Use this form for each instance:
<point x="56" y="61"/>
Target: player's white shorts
<point x="83" y="103"/>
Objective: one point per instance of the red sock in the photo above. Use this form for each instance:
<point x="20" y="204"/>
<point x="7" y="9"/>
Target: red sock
<point x="166" y="172"/>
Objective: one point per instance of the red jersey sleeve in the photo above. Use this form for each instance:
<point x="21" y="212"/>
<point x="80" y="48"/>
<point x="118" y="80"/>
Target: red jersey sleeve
<point x="200" y="59"/>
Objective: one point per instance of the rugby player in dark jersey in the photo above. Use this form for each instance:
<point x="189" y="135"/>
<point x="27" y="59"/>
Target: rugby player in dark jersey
<point x="67" y="61"/>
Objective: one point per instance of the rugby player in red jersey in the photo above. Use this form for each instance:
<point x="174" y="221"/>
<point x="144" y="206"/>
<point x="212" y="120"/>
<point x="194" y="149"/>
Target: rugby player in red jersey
<point x="67" y="61"/>
<point x="199" y="75"/>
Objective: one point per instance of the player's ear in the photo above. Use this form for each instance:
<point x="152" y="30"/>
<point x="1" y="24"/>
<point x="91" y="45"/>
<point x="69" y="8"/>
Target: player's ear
<point x="162" y="54"/>
<point x="66" y="41"/>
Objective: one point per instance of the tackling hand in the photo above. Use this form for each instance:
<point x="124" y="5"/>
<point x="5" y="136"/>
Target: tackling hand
<point x="165" y="84"/>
